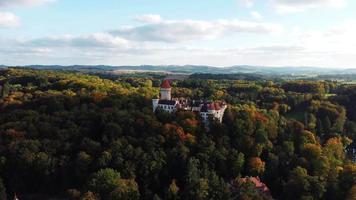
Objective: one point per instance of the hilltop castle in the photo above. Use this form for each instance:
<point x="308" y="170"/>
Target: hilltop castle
<point x="206" y="109"/>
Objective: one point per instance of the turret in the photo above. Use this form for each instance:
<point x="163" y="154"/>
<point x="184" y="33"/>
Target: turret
<point x="155" y="104"/>
<point x="166" y="91"/>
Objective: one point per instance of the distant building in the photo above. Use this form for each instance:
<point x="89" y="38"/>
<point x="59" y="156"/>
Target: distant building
<point x="4" y="90"/>
<point x="206" y="109"/>
<point x="259" y="185"/>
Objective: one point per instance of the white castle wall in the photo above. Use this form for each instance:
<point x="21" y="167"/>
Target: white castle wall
<point x="166" y="94"/>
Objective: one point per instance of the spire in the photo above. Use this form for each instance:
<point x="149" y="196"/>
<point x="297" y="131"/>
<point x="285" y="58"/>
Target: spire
<point x="166" y="90"/>
<point x="165" y="84"/>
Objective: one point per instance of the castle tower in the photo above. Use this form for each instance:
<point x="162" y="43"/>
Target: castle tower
<point x="166" y="91"/>
<point x="155" y="104"/>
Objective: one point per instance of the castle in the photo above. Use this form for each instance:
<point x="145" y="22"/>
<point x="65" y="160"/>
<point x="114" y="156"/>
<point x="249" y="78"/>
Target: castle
<point x="206" y="109"/>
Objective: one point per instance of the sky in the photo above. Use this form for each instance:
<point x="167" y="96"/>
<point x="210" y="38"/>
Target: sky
<point x="318" y="33"/>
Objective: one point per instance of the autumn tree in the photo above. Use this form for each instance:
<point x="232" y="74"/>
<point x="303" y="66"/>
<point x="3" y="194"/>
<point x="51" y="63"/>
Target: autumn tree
<point x="256" y="166"/>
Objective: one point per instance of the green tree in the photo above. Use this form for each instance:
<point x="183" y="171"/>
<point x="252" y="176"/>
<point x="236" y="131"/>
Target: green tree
<point x="302" y="186"/>
<point x="104" y="182"/>
<point x="2" y="190"/>
<point x="347" y="177"/>
<point x="126" y="189"/>
<point x="237" y="161"/>
<point x="298" y="184"/>
<point x="217" y="187"/>
<point x="89" y="196"/>
<point x="197" y="188"/>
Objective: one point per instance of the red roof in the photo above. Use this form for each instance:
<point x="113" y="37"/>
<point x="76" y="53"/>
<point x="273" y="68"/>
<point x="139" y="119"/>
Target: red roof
<point x="258" y="184"/>
<point x="214" y="106"/>
<point x="166" y="84"/>
<point x="211" y="106"/>
<point x="217" y="106"/>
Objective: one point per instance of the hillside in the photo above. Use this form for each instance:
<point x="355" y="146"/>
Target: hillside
<point x="191" y="69"/>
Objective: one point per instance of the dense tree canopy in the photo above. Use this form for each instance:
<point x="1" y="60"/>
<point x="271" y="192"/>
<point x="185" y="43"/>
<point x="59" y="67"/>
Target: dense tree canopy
<point x="79" y="136"/>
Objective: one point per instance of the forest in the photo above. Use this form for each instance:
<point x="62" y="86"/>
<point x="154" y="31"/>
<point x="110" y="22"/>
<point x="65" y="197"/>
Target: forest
<point x="77" y="136"/>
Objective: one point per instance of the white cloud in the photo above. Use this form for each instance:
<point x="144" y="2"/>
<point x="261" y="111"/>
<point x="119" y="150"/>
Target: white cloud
<point x="8" y="20"/>
<point x="97" y="40"/>
<point x="256" y="15"/>
<point x="68" y="53"/>
<point x="340" y="39"/>
<point x="289" y="6"/>
<point x="168" y="42"/>
<point x="286" y="6"/>
<point x="7" y="3"/>
<point x="247" y="3"/>
<point x="186" y="30"/>
<point x="150" y="18"/>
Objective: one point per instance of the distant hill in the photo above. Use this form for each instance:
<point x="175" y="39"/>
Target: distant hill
<point x="192" y="69"/>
